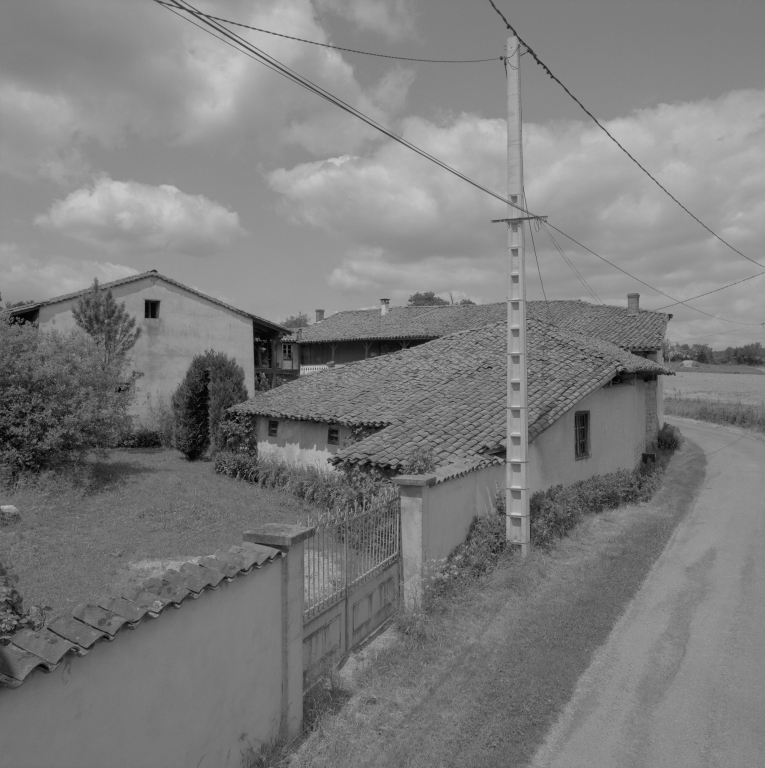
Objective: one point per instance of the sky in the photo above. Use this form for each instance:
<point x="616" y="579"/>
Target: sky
<point x="131" y="140"/>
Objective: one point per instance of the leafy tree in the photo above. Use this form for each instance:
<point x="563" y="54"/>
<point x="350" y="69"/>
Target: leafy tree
<point x="428" y="299"/>
<point x="213" y="383"/>
<point x="465" y="302"/>
<point x="300" y="320"/>
<point x="101" y="317"/>
<point x="59" y="400"/>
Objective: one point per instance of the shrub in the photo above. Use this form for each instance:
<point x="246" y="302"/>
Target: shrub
<point x="161" y="419"/>
<point x="670" y="437"/>
<point x="13" y="617"/>
<point x="59" y="400"/>
<point x="420" y="461"/>
<point x="227" y="388"/>
<point x="141" y="438"/>
<point x="192" y="411"/>
<point x="240" y="466"/>
<point x="213" y="383"/>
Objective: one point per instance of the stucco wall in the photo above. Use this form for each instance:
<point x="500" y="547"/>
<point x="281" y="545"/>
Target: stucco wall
<point x="301" y="442"/>
<point x="188" y="325"/>
<point x="452" y="505"/>
<point x="617" y="438"/>
<point x="195" y="687"/>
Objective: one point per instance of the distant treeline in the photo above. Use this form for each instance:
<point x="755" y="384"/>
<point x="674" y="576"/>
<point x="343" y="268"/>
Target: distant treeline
<point x="749" y="354"/>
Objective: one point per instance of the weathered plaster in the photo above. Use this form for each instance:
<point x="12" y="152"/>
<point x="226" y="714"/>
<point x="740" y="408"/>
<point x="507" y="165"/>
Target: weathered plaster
<point x="302" y="442"/>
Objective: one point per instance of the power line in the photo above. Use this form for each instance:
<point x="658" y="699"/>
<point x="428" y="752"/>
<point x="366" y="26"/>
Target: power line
<point x="244" y="46"/>
<point x="722" y="288"/>
<point x="339" y="47"/>
<point x="539" y="269"/>
<point x="605" y="130"/>
<point x="706" y="336"/>
<point x="643" y="282"/>
<point x="571" y="266"/>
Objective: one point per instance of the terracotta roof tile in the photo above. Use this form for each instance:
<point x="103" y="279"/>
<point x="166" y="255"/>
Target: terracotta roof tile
<point x="643" y="331"/>
<point x="450" y="395"/>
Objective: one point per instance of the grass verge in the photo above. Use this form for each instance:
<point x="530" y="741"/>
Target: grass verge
<point x="483" y="681"/>
<point x="736" y="414"/>
<point x="122" y="519"/>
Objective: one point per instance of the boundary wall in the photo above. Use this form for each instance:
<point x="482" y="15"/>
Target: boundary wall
<point x="205" y="685"/>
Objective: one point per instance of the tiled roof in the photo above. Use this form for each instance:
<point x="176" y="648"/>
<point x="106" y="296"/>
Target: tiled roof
<point x="88" y="624"/>
<point x="133" y="278"/>
<point x="643" y="331"/>
<point x="449" y="395"/>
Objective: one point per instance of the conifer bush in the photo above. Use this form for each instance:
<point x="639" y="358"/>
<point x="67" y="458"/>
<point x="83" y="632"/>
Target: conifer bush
<point x="213" y="383"/>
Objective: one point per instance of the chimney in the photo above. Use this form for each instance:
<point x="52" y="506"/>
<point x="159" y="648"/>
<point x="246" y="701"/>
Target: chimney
<point x="633" y="303"/>
<point x="384" y="306"/>
<point x="319" y="315"/>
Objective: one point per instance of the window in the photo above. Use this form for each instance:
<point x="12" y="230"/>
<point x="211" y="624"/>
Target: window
<point x="286" y="351"/>
<point x="273" y="426"/>
<point x="582" y="434"/>
<point x="333" y="438"/>
<point x="151" y="310"/>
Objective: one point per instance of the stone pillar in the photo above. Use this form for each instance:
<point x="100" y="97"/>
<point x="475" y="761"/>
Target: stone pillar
<point x="415" y="522"/>
<point x="289" y="539"/>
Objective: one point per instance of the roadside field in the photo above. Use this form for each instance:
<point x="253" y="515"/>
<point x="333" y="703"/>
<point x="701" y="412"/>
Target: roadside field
<point x="708" y="368"/>
<point x="746" y="388"/>
<point x="136" y="513"/>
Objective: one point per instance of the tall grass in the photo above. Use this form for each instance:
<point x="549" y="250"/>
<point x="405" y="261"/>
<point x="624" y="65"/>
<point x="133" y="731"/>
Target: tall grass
<point x="737" y="414"/>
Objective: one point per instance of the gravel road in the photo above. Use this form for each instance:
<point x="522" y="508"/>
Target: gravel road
<point x="681" y="680"/>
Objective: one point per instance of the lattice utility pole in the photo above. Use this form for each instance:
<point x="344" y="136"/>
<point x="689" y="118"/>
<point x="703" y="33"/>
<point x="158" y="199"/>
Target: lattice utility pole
<point x="517" y="499"/>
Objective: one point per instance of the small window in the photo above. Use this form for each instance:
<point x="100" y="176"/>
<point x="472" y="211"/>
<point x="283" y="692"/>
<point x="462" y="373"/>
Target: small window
<point x="582" y="434"/>
<point x="151" y="310"/>
<point x="286" y="351"/>
<point x="333" y="438"/>
<point x="273" y="426"/>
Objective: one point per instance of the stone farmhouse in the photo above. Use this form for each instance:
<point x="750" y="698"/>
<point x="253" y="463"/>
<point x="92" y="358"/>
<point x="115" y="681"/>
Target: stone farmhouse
<point x="177" y="323"/>
<point x="592" y="403"/>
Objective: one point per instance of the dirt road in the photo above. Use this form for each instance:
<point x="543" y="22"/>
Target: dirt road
<point x="681" y="680"/>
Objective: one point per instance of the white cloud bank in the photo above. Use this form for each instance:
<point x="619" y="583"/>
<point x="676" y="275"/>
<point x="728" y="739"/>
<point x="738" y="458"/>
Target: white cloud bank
<point x="126" y="215"/>
<point x="136" y="71"/>
<point x="404" y="219"/>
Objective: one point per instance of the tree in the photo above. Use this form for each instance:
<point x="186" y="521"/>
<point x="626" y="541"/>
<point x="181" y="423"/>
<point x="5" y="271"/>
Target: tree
<point x="106" y="321"/>
<point x="59" y="400"/>
<point x="213" y="383"/>
<point x="428" y="299"/>
<point x="466" y="302"/>
<point x="300" y="320"/>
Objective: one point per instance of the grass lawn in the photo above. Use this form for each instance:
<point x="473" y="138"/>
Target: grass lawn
<point x="497" y="667"/>
<point x="138" y="511"/>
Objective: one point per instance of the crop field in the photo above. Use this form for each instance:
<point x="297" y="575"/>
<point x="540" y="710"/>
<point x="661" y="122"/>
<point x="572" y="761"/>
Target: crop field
<point x="745" y="388"/>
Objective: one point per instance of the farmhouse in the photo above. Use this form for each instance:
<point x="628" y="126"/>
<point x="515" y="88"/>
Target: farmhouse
<point x="592" y="407"/>
<point x="177" y="323"/>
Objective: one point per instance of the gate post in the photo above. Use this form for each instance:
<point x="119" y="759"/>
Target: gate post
<point x="289" y="539"/>
<point x="415" y="523"/>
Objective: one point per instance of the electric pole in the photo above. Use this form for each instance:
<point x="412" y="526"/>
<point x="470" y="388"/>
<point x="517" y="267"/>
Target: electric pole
<point x="517" y="461"/>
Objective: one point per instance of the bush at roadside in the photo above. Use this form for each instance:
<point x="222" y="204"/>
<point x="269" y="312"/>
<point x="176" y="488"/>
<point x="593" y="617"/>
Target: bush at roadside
<point x="59" y="399"/>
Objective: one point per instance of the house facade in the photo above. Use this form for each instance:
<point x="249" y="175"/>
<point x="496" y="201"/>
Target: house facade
<point x="177" y="323"/>
<point x="592" y="407"/>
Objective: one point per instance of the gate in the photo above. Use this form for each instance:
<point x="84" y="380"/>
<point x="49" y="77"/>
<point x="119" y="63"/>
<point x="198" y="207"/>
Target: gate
<point x="352" y="574"/>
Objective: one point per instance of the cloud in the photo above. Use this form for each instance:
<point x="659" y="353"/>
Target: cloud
<point x="124" y="215"/>
<point x="394" y="19"/>
<point x="28" y="278"/>
<point x="129" y="72"/>
<point x="404" y="220"/>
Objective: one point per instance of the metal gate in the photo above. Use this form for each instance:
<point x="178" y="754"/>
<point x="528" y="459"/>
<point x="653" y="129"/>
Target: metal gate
<point x="352" y="574"/>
